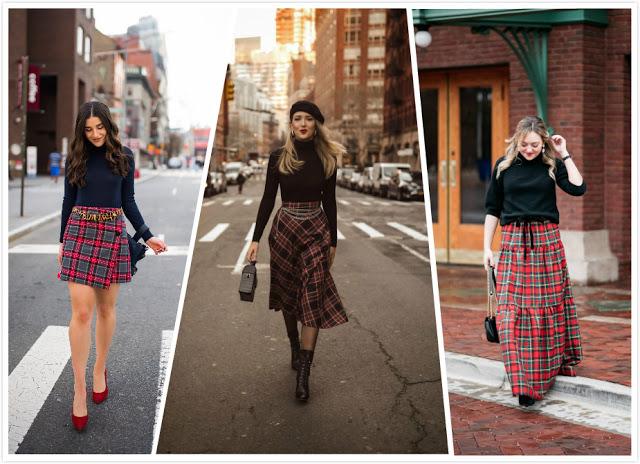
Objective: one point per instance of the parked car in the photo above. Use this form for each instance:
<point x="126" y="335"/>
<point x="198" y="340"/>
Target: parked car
<point x="381" y="174"/>
<point x="345" y="176"/>
<point x="365" y="184"/>
<point x="216" y="183"/>
<point x="231" y="171"/>
<point x="174" y="162"/>
<point x="353" y="181"/>
<point x="403" y="186"/>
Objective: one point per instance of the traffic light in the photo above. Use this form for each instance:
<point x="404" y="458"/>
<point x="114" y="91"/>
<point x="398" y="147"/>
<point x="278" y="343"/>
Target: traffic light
<point x="229" y="90"/>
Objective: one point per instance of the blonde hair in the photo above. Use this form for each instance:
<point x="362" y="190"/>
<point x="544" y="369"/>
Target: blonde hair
<point x="525" y="126"/>
<point x="327" y="149"/>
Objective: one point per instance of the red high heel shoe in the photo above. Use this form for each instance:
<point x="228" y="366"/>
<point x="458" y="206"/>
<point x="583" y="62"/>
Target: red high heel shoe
<point x="79" y="422"/>
<point x="99" y="397"/>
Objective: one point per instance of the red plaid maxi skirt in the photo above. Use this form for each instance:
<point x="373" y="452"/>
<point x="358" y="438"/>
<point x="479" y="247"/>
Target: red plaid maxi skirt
<point x="300" y="280"/>
<point x="95" y="253"/>
<point x="536" y="316"/>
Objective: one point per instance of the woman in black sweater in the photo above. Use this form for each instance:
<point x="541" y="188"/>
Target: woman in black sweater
<point x="303" y="236"/>
<point x="537" y="318"/>
<point x="94" y="252"/>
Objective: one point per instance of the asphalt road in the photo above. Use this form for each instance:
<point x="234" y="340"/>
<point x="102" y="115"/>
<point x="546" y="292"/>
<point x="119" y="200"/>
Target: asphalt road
<point x="146" y="317"/>
<point x="375" y="383"/>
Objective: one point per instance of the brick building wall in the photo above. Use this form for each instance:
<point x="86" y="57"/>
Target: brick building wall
<point x="588" y="103"/>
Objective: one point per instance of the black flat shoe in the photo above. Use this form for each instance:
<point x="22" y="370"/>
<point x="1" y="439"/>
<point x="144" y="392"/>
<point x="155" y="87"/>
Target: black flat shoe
<point x="526" y="401"/>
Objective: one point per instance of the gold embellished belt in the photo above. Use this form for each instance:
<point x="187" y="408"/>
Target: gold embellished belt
<point x="97" y="217"/>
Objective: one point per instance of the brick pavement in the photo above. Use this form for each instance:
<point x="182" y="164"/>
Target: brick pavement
<point x="484" y="428"/>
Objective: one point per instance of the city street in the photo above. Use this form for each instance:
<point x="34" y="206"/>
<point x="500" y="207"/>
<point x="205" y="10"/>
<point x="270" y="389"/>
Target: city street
<point x="375" y="382"/>
<point x="40" y="375"/>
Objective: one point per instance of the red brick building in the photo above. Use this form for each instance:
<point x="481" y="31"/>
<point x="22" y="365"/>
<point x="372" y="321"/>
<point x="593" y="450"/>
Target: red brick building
<point x="475" y="89"/>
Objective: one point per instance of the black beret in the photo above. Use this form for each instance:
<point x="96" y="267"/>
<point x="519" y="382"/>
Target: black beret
<point x="307" y="107"/>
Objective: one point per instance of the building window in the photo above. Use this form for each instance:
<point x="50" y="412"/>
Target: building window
<point x="352" y="18"/>
<point x="375" y="52"/>
<point x="87" y="49"/>
<point x="376" y="34"/>
<point x="351" y="70"/>
<point x="377" y="17"/>
<point x="352" y="53"/>
<point x="351" y="37"/>
<point x="79" y="40"/>
<point x="375" y="69"/>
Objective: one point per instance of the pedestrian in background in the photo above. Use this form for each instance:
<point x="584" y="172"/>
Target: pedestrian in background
<point x="536" y="314"/>
<point x="303" y="237"/>
<point x="94" y="251"/>
<point x="240" y="179"/>
<point x="55" y="159"/>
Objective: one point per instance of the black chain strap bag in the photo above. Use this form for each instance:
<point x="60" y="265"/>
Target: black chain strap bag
<point x="490" y="327"/>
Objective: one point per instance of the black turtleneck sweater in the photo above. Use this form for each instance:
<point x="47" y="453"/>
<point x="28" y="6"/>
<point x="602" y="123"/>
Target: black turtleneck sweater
<point x="306" y="184"/>
<point x="103" y="189"/>
<point x="525" y="191"/>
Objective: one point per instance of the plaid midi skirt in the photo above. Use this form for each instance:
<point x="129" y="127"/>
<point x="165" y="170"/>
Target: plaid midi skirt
<point x="536" y="314"/>
<point x="95" y="253"/>
<point x="301" y="284"/>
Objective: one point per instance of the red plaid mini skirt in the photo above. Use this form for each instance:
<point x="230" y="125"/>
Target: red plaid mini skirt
<point x="301" y="284"/>
<point x="536" y="314"/>
<point x="95" y="252"/>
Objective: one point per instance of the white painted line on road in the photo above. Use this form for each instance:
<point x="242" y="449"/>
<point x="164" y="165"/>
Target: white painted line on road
<point x="172" y="250"/>
<point x="214" y="233"/>
<point x="340" y="236"/>
<point x="344" y="202"/>
<point x="607" y="319"/>
<point x="52" y="249"/>
<point x="237" y="269"/>
<point x="208" y="203"/>
<point x="413" y="252"/>
<point x="165" y="350"/>
<point x="174" y="191"/>
<point x="33" y="379"/>
<point x="247" y="202"/>
<point x="367" y="229"/>
<point x="227" y="203"/>
<point x="365" y="203"/>
<point x="409" y="231"/>
<point x="32" y="224"/>
<point x="383" y="203"/>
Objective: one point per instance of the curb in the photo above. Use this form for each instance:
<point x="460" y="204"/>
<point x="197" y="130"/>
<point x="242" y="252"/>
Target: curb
<point x="29" y="227"/>
<point x="491" y="373"/>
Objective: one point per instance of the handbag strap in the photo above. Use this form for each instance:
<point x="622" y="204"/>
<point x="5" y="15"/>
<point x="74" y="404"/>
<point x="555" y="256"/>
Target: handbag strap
<point x="140" y="231"/>
<point x="491" y="291"/>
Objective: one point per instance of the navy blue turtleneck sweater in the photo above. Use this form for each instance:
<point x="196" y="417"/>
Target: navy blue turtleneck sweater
<point x="306" y="184"/>
<point x="525" y="190"/>
<point x="103" y="189"/>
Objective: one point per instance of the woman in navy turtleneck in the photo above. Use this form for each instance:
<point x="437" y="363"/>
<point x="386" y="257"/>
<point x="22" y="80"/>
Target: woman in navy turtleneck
<point x="94" y="253"/>
<point x="303" y="237"/>
<point x="536" y="314"/>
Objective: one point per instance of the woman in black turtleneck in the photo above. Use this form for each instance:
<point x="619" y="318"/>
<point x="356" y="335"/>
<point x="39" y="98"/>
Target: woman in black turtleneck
<point x="94" y="252"/>
<point x="303" y="236"/>
<point x="536" y="315"/>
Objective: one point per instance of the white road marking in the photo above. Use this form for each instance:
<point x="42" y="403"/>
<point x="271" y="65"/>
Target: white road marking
<point x="344" y="202"/>
<point x="383" y="203"/>
<point x="365" y="203"/>
<point x="247" y="202"/>
<point x="607" y="319"/>
<point x="208" y="203"/>
<point x="52" y="249"/>
<point x="174" y="191"/>
<point x="227" y="203"/>
<point x="33" y="224"/>
<point x="214" y="233"/>
<point x="33" y="379"/>
<point x="165" y="351"/>
<point x="412" y="251"/>
<point x="340" y="236"/>
<point x="367" y="229"/>
<point x="237" y="269"/>
<point x="409" y="231"/>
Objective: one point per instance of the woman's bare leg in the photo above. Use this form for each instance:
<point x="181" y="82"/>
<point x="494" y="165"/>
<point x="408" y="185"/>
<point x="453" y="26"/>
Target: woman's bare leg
<point x="105" y="327"/>
<point x="83" y="300"/>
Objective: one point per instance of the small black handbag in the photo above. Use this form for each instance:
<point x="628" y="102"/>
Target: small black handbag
<point x="248" y="282"/>
<point x="137" y="250"/>
<point x="490" y="327"/>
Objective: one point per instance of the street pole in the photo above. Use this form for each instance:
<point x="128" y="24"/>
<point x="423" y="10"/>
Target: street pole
<point x="25" y="74"/>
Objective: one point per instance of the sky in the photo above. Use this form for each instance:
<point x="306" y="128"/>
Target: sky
<point x="252" y="22"/>
<point x="199" y="41"/>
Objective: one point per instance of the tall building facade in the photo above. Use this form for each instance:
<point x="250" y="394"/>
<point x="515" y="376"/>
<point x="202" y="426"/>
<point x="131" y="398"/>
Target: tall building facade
<point x="295" y="30"/>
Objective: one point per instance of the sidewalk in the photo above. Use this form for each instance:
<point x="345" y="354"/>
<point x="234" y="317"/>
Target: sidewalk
<point x="604" y="314"/>
<point x="42" y="202"/>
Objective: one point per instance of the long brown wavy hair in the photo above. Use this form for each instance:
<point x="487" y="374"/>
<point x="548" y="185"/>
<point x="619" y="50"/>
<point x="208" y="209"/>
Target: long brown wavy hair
<point x="525" y="126"/>
<point x="328" y="150"/>
<point x="76" y="165"/>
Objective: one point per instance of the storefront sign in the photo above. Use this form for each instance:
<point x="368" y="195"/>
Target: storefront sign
<point x="33" y="88"/>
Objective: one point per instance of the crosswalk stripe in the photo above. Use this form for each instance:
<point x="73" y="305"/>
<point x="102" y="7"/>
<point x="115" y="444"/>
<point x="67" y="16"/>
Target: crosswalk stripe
<point x="344" y="202"/>
<point x="340" y="236"/>
<point x="214" y="233"/>
<point x="165" y="351"/>
<point x="367" y="229"/>
<point x="237" y="269"/>
<point x="33" y="379"/>
<point x="409" y="231"/>
<point x="247" y="202"/>
<point x="365" y="203"/>
<point x="208" y="203"/>
<point x="227" y="203"/>
<point x="52" y="249"/>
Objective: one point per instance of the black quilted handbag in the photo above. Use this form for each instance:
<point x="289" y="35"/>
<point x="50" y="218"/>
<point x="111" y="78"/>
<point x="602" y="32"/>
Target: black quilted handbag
<point x="490" y="328"/>
<point x="137" y="250"/>
<point x="248" y="282"/>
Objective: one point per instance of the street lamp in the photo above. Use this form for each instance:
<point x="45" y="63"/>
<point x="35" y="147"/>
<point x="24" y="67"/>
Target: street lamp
<point x="423" y="38"/>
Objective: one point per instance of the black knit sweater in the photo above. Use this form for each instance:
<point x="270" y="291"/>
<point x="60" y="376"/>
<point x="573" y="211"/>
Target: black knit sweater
<point x="525" y="191"/>
<point x="103" y="189"/>
<point x="306" y="184"/>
